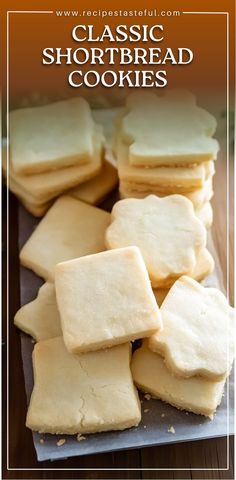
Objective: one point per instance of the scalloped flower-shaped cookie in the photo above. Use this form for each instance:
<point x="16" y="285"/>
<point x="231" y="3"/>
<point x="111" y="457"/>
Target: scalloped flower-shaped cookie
<point x="166" y="230"/>
<point x="198" y="331"/>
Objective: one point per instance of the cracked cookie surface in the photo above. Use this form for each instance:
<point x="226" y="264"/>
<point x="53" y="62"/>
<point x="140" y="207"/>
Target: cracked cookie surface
<point x="86" y="393"/>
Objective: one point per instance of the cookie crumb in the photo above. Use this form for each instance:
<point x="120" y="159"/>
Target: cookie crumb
<point x="61" y="442"/>
<point x="171" y="429"/>
<point x="146" y="410"/>
<point x="41" y="440"/>
<point x="186" y="413"/>
<point x="162" y="415"/>
<point x="32" y="340"/>
<point x="147" y="396"/>
<point x="80" y="437"/>
<point x="145" y="426"/>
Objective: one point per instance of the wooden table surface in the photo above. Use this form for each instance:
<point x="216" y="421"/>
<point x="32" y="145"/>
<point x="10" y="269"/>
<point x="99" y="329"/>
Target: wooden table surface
<point x="190" y="456"/>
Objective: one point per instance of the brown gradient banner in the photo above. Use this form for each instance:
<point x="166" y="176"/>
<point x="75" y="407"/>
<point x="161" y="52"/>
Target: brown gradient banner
<point x="30" y="33"/>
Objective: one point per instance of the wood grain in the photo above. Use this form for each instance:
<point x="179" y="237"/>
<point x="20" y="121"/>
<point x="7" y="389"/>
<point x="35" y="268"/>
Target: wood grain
<point x="209" y="454"/>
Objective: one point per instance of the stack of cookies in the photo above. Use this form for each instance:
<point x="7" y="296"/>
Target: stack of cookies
<point x="54" y="148"/>
<point x="163" y="146"/>
<point x="187" y="363"/>
<point x="83" y="382"/>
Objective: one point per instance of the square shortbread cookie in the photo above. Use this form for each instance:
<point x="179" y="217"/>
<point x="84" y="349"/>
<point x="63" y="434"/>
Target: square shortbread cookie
<point x="40" y="318"/>
<point x="45" y="186"/>
<point x="195" y="394"/>
<point x="37" y="208"/>
<point x="51" y="136"/>
<point x="70" y="229"/>
<point x="87" y="393"/>
<point x="105" y="299"/>
<point x="95" y="190"/>
<point x="198" y="331"/>
<point x="166" y="230"/>
<point x="167" y="130"/>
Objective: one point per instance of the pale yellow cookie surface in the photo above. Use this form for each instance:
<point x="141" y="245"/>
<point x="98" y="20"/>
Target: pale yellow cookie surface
<point x="105" y="299"/>
<point x="166" y="230"/>
<point x="86" y="393"/>
<point x="204" y="266"/>
<point x="195" y="394"/>
<point x="205" y="214"/>
<point x="167" y="130"/>
<point x="139" y="178"/>
<point x="52" y="136"/>
<point x="198" y="331"/>
<point x="95" y="190"/>
<point x="201" y="195"/>
<point x="45" y="186"/>
<point x="70" y="229"/>
<point x="198" y="197"/>
<point x="40" y="318"/>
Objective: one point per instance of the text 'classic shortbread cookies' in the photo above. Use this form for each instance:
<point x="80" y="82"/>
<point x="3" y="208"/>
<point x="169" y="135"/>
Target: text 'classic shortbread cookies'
<point x="198" y="331"/>
<point x="87" y="393"/>
<point x="166" y="230"/>
<point x="167" y="130"/>
<point x="70" y="229"/>
<point x="195" y="394"/>
<point x="105" y="299"/>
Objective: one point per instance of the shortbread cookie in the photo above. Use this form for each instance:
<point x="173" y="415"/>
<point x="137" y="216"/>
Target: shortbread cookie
<point x="163" y="178"/>
<point x="105" y="299"/>
<point x="40" y="318"/>
<point x="45" y="186"/>
<point x="70" y="229"/>
<point x="87" y="393"/>
<point x="198" y="331"/>
<point x="202" y="195"/>
<point x="37" y="208"/>
<point x="197" y="197"/>
<point x="166" y="230"/>
<point x="167" y="130"/>
<point x="52" y="136"/>
<point x="205" y="214"/>
<point x="204" y="266"/>
<point x="37" y="211"/>
<point x="195" y="394"/>
<point x="95" y="190"/>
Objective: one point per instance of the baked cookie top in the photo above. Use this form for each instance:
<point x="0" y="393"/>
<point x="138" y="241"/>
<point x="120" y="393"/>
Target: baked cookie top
<point x="166" y="230"/>
<point x="51" y="136"/>
<point x="86" y="393"/>
<point x="105" y="299"/>
<point x="198" y="331"/>
<point x="167" y="130"/>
